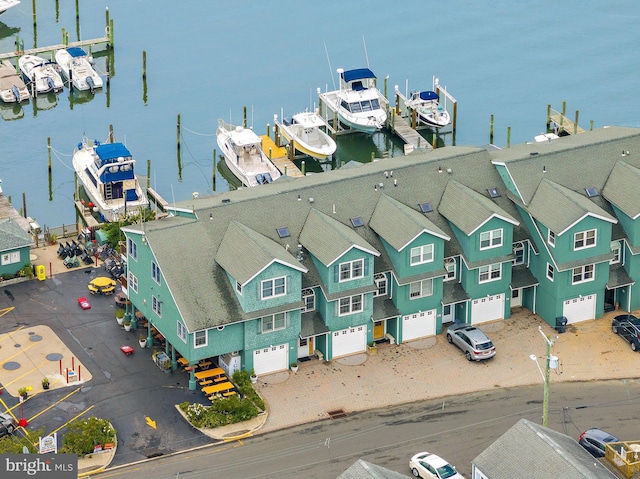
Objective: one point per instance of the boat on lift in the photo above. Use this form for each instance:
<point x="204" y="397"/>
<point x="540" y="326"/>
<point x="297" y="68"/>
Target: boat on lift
<point x="306" y="132"/>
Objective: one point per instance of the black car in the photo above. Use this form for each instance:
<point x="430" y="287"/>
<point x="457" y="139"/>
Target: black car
<point x="627" y="326"/>
<point x="595" y="440"/>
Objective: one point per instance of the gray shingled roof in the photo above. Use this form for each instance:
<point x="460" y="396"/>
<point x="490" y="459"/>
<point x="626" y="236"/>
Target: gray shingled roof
<point x="244" y="253"/>
<point x="623" y="179"/>
<point x="559" y="208"/>
<point x="12" y="236"/>
<point x="406" y="226"/>
<point x="618" y="277"/>
<point x="328" y="239"/>
<point x="468" y="209"/>
<point x="530" y="451"/>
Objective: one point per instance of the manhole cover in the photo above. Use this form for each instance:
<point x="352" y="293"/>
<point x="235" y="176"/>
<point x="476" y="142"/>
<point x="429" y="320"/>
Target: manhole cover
<point x="337" y="413"/>
<point x="35" y="337"/>
<point x="54" y="356"/>
<point x="11" y="365"/>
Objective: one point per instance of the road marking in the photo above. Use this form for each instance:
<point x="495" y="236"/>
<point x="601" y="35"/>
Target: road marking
<point x="150" y="422"/>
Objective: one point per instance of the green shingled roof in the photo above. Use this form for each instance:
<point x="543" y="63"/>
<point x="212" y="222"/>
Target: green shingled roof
<point x="328" y="239"/>
<point x="12" y="236"/>
<point x="559" y="208"/>
<point x="468" y="209"/>
<point x="244" y="253"/>
<point x="623" y="179"/>
<point x="406" y="226"/>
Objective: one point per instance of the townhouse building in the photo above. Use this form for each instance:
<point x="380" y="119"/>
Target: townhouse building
<point x="391" y="251"/>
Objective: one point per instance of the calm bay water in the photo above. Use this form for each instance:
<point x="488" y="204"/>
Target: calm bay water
<point x="206" y="60"/>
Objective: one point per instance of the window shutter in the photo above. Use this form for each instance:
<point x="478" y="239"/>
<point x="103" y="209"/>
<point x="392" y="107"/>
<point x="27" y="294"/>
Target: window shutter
<point x="336" y="273"/>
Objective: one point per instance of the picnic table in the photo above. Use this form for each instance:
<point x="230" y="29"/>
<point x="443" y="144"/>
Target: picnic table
<point x="210" y="373"/>
<point x="218" y="388"/>
<point x="102" y="285"/>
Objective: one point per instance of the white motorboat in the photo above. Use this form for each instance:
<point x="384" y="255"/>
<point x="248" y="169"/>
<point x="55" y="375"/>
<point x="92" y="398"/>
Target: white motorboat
<point x="12" y="88"/>
<point x="7" y="4"/>
<point x="41" y="73"/>
<point x="305" y="131"/>
<point x="76" y="68"/>
<point x="428" y="108"/>
<point x="360" y="105"/>
<point x="243" y="154"/>
<point x="106" y="171"/>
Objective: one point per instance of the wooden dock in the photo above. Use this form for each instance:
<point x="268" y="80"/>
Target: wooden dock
<point x="85" y="213"/>
<point x="53" y="48"/>
<point x="413" y="140"/>
<point x="157" y="199"/>
<point x="279" y="157"/>
<point x="563" y="125"/>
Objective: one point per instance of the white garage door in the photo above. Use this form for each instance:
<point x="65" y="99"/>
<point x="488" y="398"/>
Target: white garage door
<point x="349" y="341"/>
<point x="579" y="309"/>
<point x="487" y="309"/>
<point x="271" y="360"/>
<point x="419" y="325"/>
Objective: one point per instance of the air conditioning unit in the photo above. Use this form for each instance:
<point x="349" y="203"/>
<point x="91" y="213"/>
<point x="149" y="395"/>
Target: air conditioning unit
<point x="230" y="362"/>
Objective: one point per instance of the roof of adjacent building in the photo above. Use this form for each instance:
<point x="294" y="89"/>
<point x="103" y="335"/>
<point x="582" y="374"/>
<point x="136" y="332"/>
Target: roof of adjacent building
<point x="12" y="236"/>
<point x="530" y="451"/>
<point x="362" y="469"/>
<point x="623" y="179"/>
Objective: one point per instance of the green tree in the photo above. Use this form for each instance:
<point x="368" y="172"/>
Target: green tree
<point x="114" y="230"/>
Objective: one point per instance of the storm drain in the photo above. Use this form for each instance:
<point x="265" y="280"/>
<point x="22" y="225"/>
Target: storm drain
<point x="337" y="413"/>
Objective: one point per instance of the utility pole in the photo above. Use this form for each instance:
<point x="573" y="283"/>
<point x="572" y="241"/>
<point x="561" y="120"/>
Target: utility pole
<point x="551" y="362"/>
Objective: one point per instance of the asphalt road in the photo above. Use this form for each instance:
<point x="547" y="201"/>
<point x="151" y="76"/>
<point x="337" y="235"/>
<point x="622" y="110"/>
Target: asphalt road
<point x="125" y="389"/>
<point x="456" y="428"/>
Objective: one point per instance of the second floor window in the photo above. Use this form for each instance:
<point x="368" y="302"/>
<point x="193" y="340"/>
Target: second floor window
<point x="381" y="285"/>
<point x="551" y="238"/>
<point x="584" y="239"/>
<point x="491" y="239"/>
<point x="155" y="273"/>
<point x="421" y="254"/>
<point x="550" y="272"/>
<point x="156" y="305"/>
<point x="615" y="249"/>
<point x="450" y="267"/>
<point x="272" y="288"/>
<point x="182" y="331"/>
<point x="420" y="289"/>
<point x="132" y="281"/>
<point x="350" y="305"/>
<point x="491" y="272"/>
<point x="582" y="274"/>
<point x="352" y="270"/>
<point x="309" y="299"/>
<point x="518" y="252"/>
<point x="200" y="339"/>
<point x="274" y="322"/>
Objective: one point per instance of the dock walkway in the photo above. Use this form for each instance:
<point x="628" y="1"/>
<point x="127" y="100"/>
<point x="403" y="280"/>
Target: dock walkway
<point x="53" y="48"/>
<point x="278" y="156"/>
<point x="563" y="123"/>
<point x="400" y="126"/>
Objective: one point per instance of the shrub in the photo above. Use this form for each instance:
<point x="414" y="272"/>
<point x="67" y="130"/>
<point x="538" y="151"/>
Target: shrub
<point x="84" y="434"/>
<point x="243" y="382"/>
<point x="222" y="411"/>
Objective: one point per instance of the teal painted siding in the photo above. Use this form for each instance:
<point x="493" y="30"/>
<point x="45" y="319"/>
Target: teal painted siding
<point x="256" y="339"/>
<point x="564" y="251"/>
<point x="471" y="244"/>
<point x="22" y="260"/>
<point x="335" y="322"/>
<point x="632" y="265"/>
<point x="402" y="259"/>
<point x="506" y="178"/>
<point x="222" y="341"/>
<point x="251" y="292"/>
<point x="406" y="305"/>
<point x="631" y="227"/>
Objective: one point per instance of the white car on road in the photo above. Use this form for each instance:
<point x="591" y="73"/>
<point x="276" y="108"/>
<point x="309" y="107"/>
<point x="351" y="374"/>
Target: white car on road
<point x="430" y="466"/>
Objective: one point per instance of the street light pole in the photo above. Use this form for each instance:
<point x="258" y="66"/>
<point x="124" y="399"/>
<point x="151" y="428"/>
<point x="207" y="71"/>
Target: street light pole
<point x="545" y="403"/>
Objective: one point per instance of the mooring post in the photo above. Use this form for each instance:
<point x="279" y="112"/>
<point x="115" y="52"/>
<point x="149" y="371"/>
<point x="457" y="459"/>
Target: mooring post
<point x="268" y="130"/>
<point x="214" y="169"/>
<point x="148" y="174"/>
<point x="144" y="64"/>
<point x="491" y="130"/>
<point x="548" y="117"/>
<point x="244" y="116"/>
<point x="304" y="168"/>
<point x="564" y="112"/>
<point x="112" y="34"/>
<point x="33" y="3"/>
<point x="575" y="125"/>
<point x="508" y="137"/>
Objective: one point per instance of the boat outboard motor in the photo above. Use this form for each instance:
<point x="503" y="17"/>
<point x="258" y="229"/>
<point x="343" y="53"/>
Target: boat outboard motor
<point x="16" y="93"/>
<point x="91" y="83"/>
<point x="50" y="83"/>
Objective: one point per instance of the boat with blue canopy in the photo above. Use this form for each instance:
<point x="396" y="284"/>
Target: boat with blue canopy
<point x="359" y="103"/>
<point x="76" y="67"/>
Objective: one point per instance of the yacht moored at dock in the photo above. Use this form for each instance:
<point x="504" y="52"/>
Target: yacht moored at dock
<point x="75" y="66"/>
<point x="106" y="171"/>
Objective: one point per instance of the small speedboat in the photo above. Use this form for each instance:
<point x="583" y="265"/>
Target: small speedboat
<point x="305" y="131"/>
<point x="12" y="88"/>
<point x="41" y="73"/>
<point x="359" y="103"/>
<point x="244" y="156"/>
<point x="76" y="68"/>
<point x="428" y="108"/>
<point x="7" y="4"/>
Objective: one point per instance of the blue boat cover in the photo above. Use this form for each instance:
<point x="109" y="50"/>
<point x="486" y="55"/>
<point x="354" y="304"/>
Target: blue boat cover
<point x="76" y="52"/>
<point x="110" y="151"/>
<point x="429" y="95"/>
<point x="357" y="74"/>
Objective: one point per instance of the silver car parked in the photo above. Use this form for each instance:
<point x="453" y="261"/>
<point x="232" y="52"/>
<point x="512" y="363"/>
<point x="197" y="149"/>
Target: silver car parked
<point x="473" y="342"/>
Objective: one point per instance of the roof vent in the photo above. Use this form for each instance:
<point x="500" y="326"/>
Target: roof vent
<point x="311" y="200"/>
<point x="449" y="171"/>
<point x="533" y="153"/>
<point x="226" y="200"/>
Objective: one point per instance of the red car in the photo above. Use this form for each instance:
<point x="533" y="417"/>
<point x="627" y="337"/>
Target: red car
<point x="84" y="303"/>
